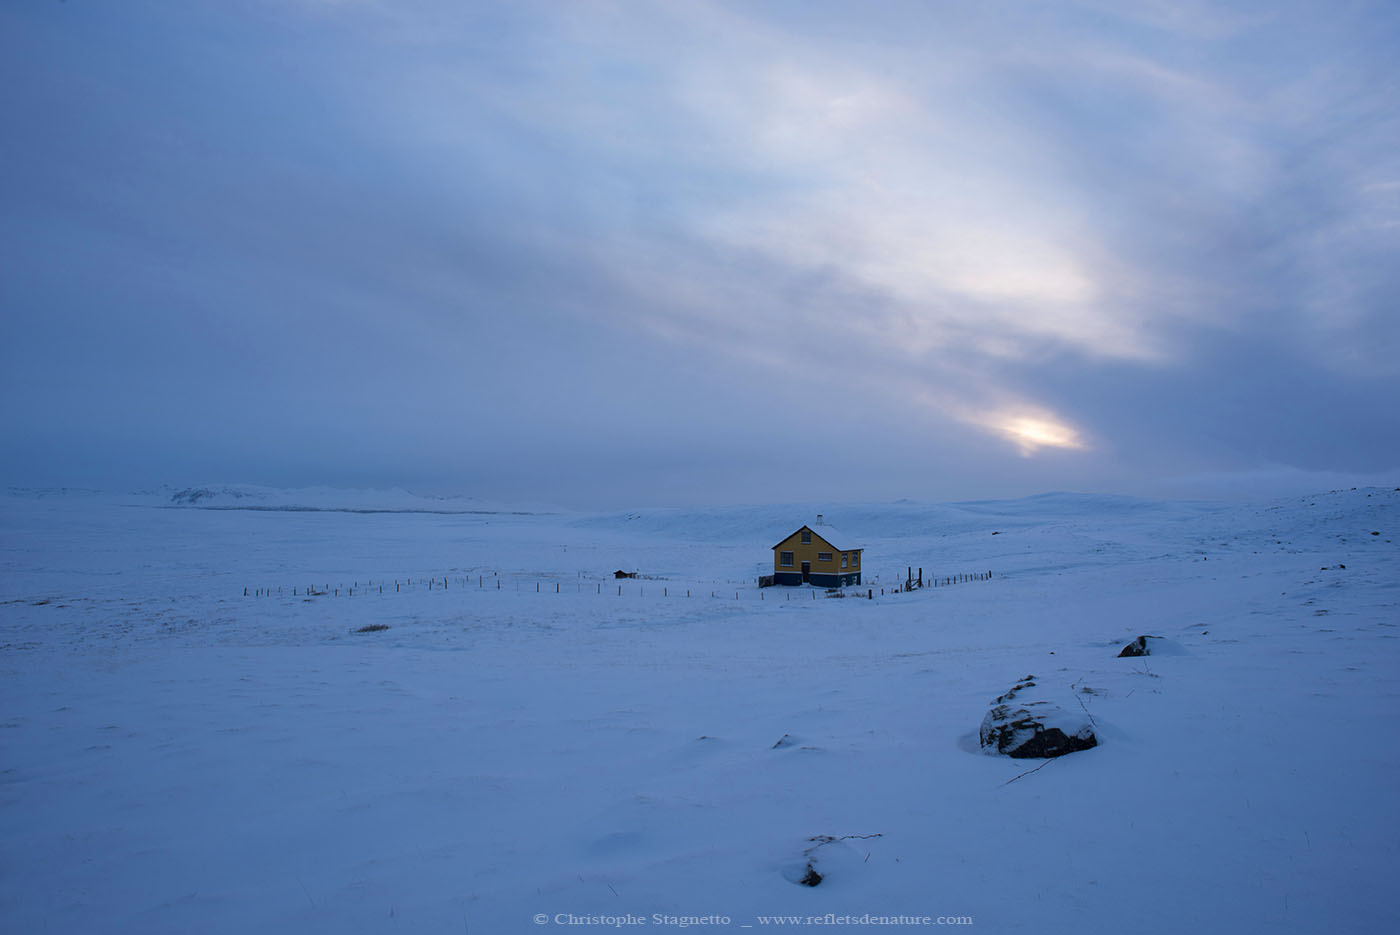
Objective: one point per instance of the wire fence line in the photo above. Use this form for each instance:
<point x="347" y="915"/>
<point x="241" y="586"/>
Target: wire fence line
<point x="631" y="586"/>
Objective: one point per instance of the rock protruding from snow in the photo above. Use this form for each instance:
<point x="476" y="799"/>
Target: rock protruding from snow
<point x="1137" y="647"/>
<point x="1153" y="646"/>
<point x="833" y="852"/>
<point x="1023" y="724"/>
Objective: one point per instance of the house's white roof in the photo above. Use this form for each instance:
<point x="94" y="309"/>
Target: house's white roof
<point x="838" y="540"/>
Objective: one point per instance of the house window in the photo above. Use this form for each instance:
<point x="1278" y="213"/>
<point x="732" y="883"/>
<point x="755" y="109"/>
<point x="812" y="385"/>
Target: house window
<point x="806" y="536"/>
<point x="845" y="557"/>
<point x="855" y="559"/>
<point x="823" y="556"/>
<point x="785" y="558"/>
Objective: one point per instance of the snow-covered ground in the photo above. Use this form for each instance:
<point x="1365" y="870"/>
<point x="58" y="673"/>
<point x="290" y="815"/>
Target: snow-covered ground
<point x="523" y="741"/>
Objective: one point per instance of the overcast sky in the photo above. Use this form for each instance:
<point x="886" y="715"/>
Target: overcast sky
<point x="611" y="254"/>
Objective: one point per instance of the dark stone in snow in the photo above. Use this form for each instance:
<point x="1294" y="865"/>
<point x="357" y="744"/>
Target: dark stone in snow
<point x="811" y="877"/>
<point x="1137" y="647"/>
<point x="1027" y="729"/>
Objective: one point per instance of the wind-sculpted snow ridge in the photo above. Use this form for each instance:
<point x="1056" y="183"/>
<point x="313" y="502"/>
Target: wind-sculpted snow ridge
<point x="289" y="508"/>
<point x="50" y="493"/>
<point x="327" y="499"/>
<point x="900" y="519"/>
<point x="1065" y="504"/>
<point x="318" y="499"/>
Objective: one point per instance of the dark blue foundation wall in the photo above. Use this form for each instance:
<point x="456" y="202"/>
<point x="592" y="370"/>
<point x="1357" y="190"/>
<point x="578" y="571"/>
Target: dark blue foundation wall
<point x="818" y="580"/>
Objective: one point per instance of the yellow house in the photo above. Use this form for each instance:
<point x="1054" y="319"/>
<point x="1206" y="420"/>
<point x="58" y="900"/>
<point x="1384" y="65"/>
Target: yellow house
<point x="816" y="555"/>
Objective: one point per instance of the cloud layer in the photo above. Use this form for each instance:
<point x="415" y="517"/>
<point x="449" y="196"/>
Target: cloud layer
<point x="601" y="251"/>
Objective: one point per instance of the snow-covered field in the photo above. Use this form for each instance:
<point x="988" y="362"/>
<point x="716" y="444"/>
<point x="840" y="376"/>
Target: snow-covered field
<point x="527" y="742"/>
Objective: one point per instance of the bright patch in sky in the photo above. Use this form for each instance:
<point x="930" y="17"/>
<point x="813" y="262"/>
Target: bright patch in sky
<point x="1032" y="433"/>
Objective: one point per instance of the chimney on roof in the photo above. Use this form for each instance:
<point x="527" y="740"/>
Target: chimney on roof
<point x="819" y="519"/>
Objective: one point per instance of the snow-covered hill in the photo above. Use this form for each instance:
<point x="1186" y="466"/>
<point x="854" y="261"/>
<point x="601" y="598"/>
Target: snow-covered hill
<point x="531" y="737"/>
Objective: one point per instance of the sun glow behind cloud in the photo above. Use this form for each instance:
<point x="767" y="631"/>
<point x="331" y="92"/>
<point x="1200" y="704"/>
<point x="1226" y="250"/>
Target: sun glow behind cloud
<point x="1032" y="433"/>
<point x="1030" y="428"/>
